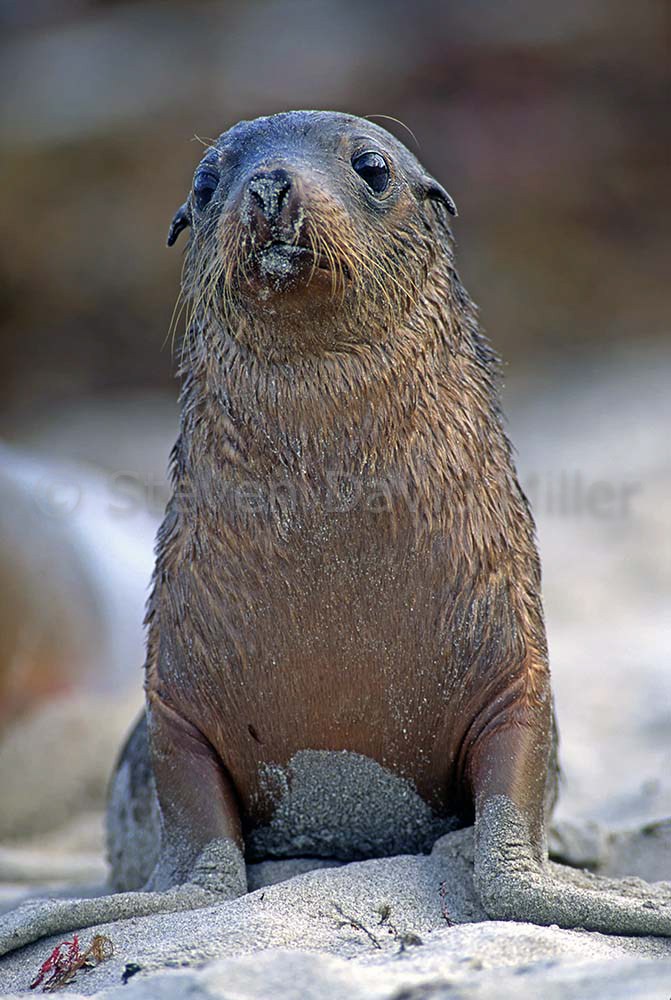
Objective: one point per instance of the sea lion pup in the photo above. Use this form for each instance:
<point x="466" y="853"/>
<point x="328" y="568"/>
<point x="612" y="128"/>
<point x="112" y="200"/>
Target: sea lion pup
<point x="346" y="652"/>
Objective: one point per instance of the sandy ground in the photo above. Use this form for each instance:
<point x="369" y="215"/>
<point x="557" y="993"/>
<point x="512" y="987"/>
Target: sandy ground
<point x="410" y="928"/>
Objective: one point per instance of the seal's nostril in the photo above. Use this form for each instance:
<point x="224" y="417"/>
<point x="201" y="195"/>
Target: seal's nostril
<point x="269" y="190"/>
<point x="283" y="193"/>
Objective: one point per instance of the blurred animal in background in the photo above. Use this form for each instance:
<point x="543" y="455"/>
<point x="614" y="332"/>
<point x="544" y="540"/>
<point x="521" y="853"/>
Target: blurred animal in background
<point x="72" y="588"/>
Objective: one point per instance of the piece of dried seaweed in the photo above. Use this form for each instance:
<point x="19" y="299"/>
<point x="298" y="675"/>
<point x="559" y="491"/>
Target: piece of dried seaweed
<point x="61" y="967"/>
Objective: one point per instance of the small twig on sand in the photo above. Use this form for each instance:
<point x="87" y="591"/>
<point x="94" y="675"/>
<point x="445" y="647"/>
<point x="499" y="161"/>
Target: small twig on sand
<point x="357" y="925"/>
<point x="442" y="892"/>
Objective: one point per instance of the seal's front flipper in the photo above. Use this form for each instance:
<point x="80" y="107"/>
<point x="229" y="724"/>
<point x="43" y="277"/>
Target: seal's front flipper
<point x="512" y="875"/>
<point x="219" y="874"/>
<point x="196" y="797"/>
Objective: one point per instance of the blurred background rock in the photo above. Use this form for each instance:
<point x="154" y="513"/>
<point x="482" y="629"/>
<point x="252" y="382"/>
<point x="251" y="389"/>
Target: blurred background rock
<point x="549" y="124"/>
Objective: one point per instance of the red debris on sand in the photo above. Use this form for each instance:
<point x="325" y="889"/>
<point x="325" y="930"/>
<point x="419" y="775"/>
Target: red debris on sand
<point x="62" y="968"/>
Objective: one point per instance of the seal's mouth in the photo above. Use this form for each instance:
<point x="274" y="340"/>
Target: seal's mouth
<point x="300" y="252"/>
<point x="280" y="260"/>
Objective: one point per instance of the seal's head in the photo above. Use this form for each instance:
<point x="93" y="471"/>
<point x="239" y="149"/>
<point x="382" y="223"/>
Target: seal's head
<point x="321" y="225"/>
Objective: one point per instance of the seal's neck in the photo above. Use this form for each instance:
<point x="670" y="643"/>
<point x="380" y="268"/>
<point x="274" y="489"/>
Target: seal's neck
<point x="355" y="407"/>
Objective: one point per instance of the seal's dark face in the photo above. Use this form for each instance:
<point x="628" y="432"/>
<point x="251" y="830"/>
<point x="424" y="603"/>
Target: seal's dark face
<point x="312" y="223"/>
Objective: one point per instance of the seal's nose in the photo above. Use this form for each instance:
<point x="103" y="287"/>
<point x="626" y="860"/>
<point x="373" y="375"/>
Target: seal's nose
<point x="270" y="194"/>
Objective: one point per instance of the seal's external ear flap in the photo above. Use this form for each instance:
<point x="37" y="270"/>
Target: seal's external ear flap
<point x="181" y="221"/>
<point x="436" y="192"/>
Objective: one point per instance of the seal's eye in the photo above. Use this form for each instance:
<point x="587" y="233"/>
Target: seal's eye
<point x="374" y="170"/>
<point x="204" y="185"/>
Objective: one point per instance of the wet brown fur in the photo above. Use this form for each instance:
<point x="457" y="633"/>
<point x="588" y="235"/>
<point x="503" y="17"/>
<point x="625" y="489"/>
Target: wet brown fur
<point x="345" y="630"/>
